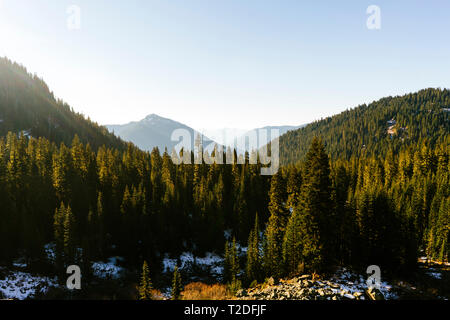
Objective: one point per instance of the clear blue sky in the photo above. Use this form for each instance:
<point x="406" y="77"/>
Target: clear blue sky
<point x="228" y="63"/>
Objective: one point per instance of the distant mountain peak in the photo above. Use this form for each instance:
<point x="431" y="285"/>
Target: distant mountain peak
<point x="153" y="116"/>
<point x="153" y="131"/>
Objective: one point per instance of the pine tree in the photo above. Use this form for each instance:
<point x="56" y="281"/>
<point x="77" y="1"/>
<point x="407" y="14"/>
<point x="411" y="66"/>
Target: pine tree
<point x="315" y="210"/>
<point x="253" y="269"/>
<point x="176" y="285"/>
<point x="275" y="229"/>
<point x="69" y="237"/>
<point x="145" y="286"/>
<point x="293" y="188"/>
<point x="231" y="263"/>
<point x="235" y="283"/>
<point x="58" y="231"/>
<point x="293" y="246"/>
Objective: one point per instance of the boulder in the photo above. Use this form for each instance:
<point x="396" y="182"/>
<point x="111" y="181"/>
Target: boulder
<point x="374" y="294"/>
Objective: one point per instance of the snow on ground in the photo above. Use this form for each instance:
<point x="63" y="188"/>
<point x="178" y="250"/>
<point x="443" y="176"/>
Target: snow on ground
<point x="434" y="274"/>
<point x="242" y="251"/>
<point x="20" y="263"/>
<point x="109" y="269"/>
<point x="50" y="252"/>
<point x="187" y="260"/>
<point x="227" y="234"/>
<point x="352" y="283"/>
<point x="21" y="285"/>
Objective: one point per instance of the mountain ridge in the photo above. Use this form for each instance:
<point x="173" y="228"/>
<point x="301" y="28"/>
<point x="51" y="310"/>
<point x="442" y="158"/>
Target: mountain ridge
<point x="155" y="131"/>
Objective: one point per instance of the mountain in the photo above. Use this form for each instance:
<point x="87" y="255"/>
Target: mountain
<point x="388" y="125"/>
<point x="28" y="106"/>
<point x="155" y="131"/>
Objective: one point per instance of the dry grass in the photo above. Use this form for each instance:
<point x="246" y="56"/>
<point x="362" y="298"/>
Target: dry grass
<point x="157" y="295"/>
<point x="201" y="291"/>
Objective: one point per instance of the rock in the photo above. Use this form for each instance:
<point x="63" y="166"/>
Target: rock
<point x="270" y="281"/>
<point x="321" y="284"/>
<point x="307" y="283"/>
<point x="344" y="292"/>
<point x="241" y="293"/>
<point x="349" y="296"/>
<point x="293" y="280"/>
<point x="374" y="294"/>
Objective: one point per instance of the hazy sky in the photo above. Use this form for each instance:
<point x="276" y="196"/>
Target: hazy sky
<point x="227" y="63"/>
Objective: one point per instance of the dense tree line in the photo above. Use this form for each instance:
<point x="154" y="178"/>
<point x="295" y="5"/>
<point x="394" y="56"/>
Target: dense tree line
<point x="136" y="204"/>
<point x="308" y="217"/>
<point x="357" y="212"/>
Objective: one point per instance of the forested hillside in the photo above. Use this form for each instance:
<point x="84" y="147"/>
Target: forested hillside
<point x="392" y="123"/>
<point x="27" y="104"/>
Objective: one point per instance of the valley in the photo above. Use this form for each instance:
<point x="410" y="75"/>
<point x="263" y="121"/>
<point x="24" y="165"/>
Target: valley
<point x="354" y="190"/>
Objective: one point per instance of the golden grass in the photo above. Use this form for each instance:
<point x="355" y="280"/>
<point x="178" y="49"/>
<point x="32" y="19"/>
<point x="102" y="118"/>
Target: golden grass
<point x="201" y="291"/>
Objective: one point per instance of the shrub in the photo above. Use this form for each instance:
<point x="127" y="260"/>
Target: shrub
<point x="201" y="291"/>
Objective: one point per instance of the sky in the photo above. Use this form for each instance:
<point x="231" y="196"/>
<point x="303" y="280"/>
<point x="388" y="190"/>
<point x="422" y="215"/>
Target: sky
<point x="227" y="63"/>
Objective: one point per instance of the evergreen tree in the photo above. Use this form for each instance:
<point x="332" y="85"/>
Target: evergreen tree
<point x="275" y="229"/>
<point x="176" y="285"/>
<point x="58" y="227"/>
<point x="253" y="268"/>
<point x="145" y="286"/>
<point x="293" y="246"/>
<point x="69" y="237"/>
<point x="315" y="211"/>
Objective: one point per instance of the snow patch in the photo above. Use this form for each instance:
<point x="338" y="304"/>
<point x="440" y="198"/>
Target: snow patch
<point x="352" y="283"/>
<point x="109" y="269"/>
<point x="187" y="260"/>
<point x="21" y="285"/>
<point x="50" y="252"/>
<point x="436" y="275"/>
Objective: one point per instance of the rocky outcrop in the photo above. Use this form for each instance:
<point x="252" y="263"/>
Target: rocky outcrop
<point x="305" y="288"/>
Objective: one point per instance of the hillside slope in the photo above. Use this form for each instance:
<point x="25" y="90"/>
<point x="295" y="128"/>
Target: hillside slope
<point x="389" y="123"/>
<point x="27" y="105"/>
